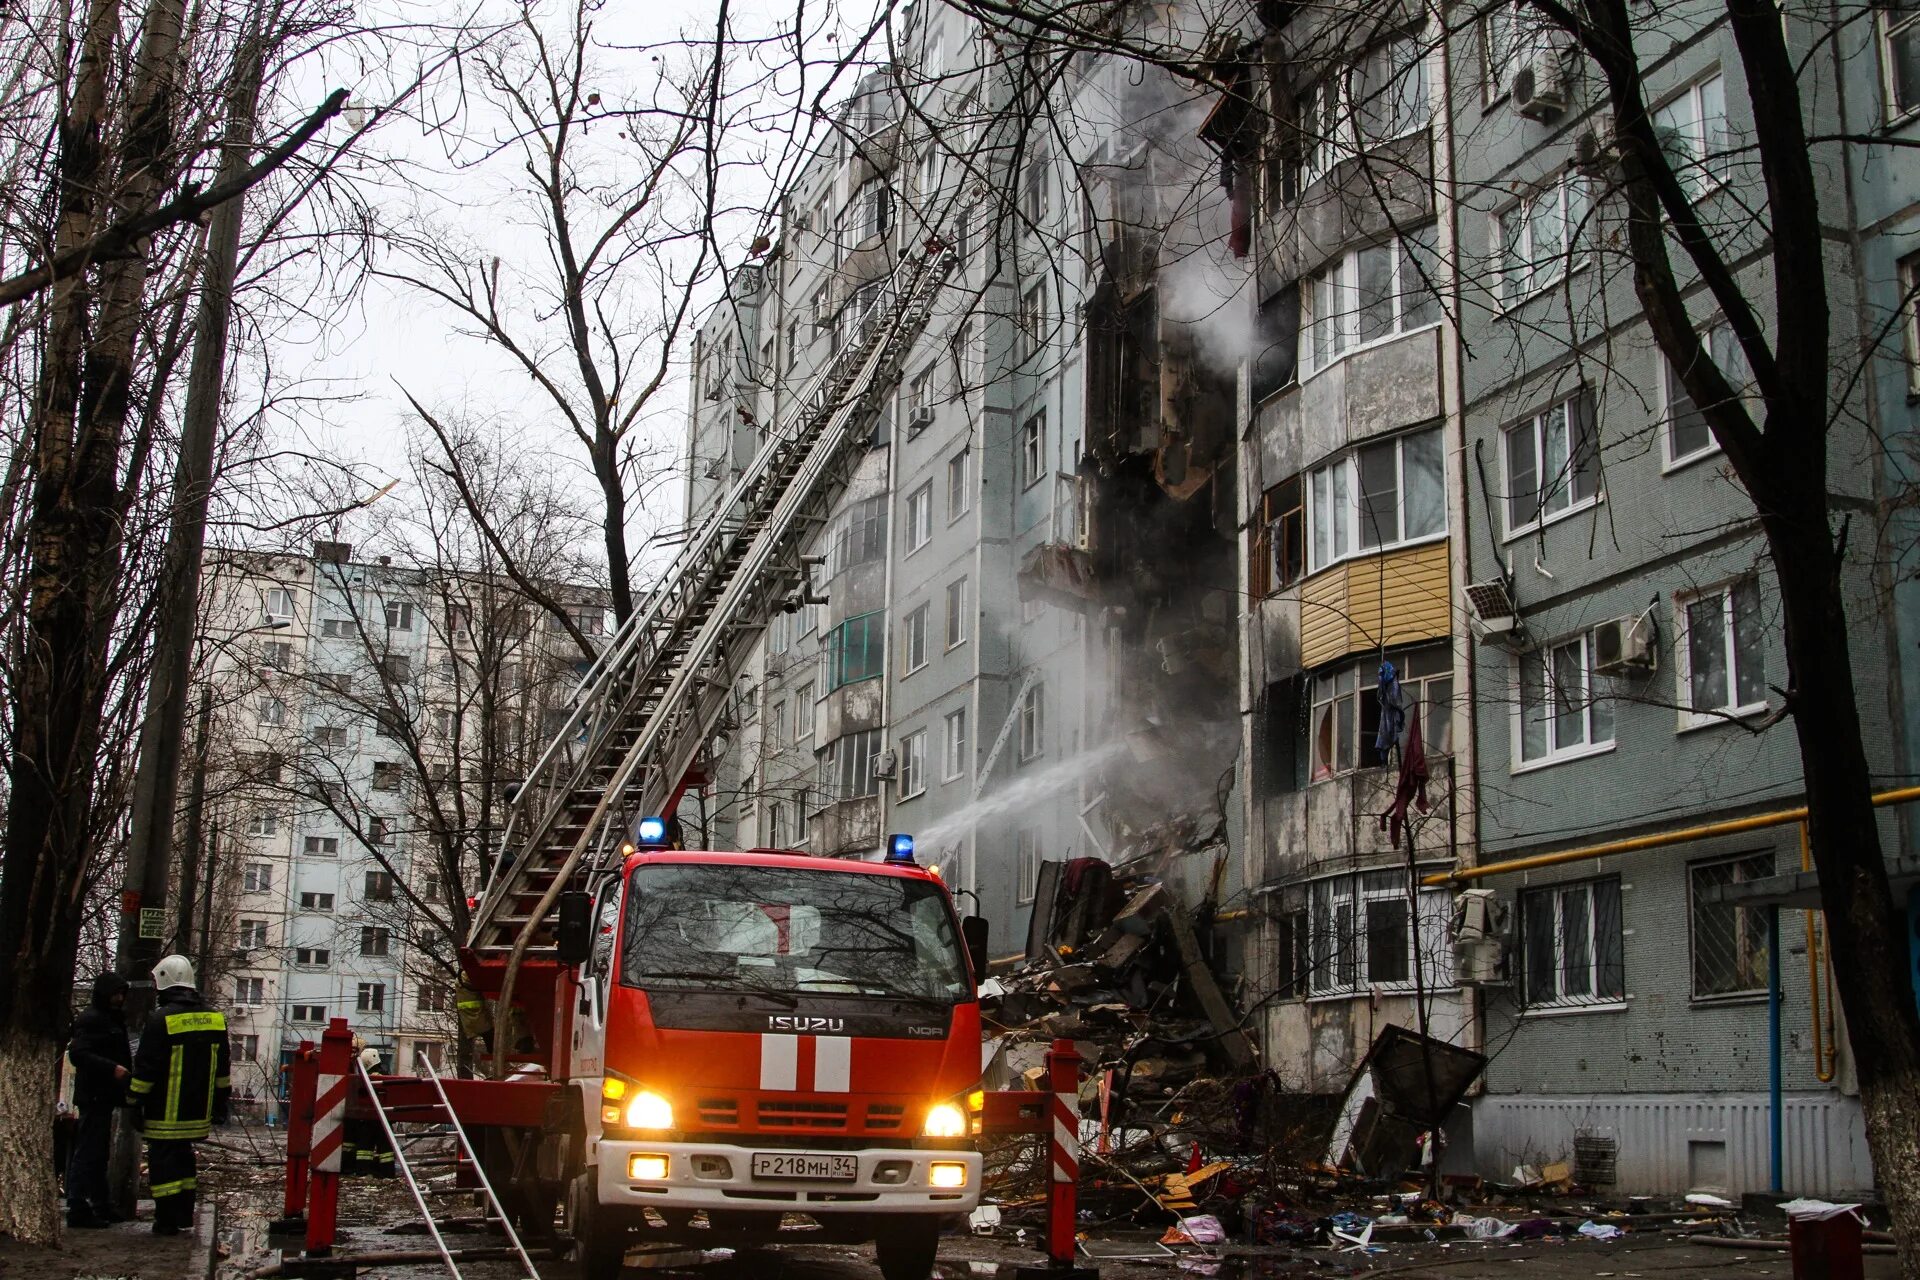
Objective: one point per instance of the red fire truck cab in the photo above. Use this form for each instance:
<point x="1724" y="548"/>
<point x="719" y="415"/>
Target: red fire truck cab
<point x="766" y="1034"/>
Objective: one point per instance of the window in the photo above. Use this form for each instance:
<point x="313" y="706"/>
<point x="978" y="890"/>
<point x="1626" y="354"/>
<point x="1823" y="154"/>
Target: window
<point x="847" y="771"/>
<point x="312" y="956"/>
<point x="1362" y="936"/>
<point x="954" y="756"/>
<point x="316" y="902"/>
<point x="1033" y="321"/>
<point x="1724" y="652"/>
<point x="957" y="613"/>
<point x="322" y="846"/>
<point x="379" y="886"/>
<point x="1571" y="945"/>
<point x="1910" y="295"/>
<point x="1381" y="496"/>
<point x="1692" y="128"/>
<point x="1327" y="129"/>
<point x="775" y="826"/>
<point x="1033" y="188"/>
<point x="276" y="655"/>
<point x="264" y="823"/>
<point x="1343" y="724"/>
<point x="329" y="735"/>
<point x="1381" y="96"/>
<point x="1509" y="34"/>
<point x="249" y="1048"/>
<point x="396" y="666"/>
<point x="336" y="628"/>
<point x="861" y="536"/>
<point x="913" y="640"/>
<point x="919" y="517"/>
<point x="856" y="650"/>
<point x="309" y="1013"/>
<point x="273" y="712"/>
<point x="1033" y="721"/>
<point x="1539" y="238"/>
<point x="803" y="701"/>
<point x="1900" y="56"/>
<point x="1033" y="449"/>
<point x="377" y="832"/>
<point x="809" y="616"/>
<point x="869" y="214"/>
<point x="1553" y="464"/>
<point x="399" y="615"/>
<point x="1368" y="296"/>
<point x="1563" y="709"/>
<point x="1026" y="861"/>
<point x="253" y="934"/>
<point x="1729" y="942"/>
<point x="257" y="877"/>
<point x="913" y="764"/>
<point x="386" y="775"/>
<point x="779" y="631"/>
<point x="372" y="997"/>
<point x="959" y="486"/>
<point x="278" y="604"/>
<point x="334" y="681"/>
<point x="374" y="941"/>
<point x="430" y="888"/>
<point x="776" y="734"/>
<point x="432" y="997"/>
<point x="917" y="402"/>
<point x="1279" y="553"/>
<point x="429" y="1053"/>
<point x="251" y="992"/>
<point x="1686" y="435"/>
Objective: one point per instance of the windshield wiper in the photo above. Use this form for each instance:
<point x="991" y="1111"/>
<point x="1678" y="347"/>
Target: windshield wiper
<point x="869" y="989"/>
<point x="731" y="982"/>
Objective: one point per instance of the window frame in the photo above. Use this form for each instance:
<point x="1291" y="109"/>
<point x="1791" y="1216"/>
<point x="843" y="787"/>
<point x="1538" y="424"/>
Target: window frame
<point x="913" y="766"/>
<point x="919" y="519"/>
<point x="1033" y="448"/>
<point x="1573" y="255"/>
<point x="913" y="639"/>
<point x="1354" y="696"/>
<point x="1907" y="276"/>
<point x="953" y="744"/>
<point x="1690" y="716"/>
<point x="256" y="877"/>
<point x="1751" y="858"/>
<point x="1026" y="862"/>
<point x="1892" y="26"/>
<point x="1702" y="172"/>
<point x="1032" y="322"/>
<point x="1589" y="745"/>
<point x="1426" y="924"/>
<point x="250" y="992"/>
<point x="268" y="601"/>
<point x="874" y="638"/>
<point x="1033" y="722"/>
<point x="957" y="635"/>
<point x="1667" y="382"/>
<point x="1347" y="464"/>
<point x="370" y="997"/>
<point x="960" y="468"/>
<point x="1581" y="400"/>
<point x="1561" y="1001"/>
<point x="1340" y="280"/>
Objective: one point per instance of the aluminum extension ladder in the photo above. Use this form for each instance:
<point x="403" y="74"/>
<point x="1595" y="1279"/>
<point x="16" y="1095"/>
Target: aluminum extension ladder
<point x="495" y="1213"/>
<point x="641" y="714"/>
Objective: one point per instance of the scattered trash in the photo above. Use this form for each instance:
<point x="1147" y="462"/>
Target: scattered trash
<point x="1705" y="1201"/>
<point x="1484" y="1228"/>
<point x="985" y="1220"/>
<point x="1600" y="1230"/>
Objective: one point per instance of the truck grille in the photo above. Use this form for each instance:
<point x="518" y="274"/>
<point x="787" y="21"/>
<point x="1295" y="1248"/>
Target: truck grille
<point x="884" y="1118"/>
<point x="811" y="1116"/>
<point x="716" y="1113"/>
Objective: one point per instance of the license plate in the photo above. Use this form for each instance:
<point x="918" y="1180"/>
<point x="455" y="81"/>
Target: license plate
<point x="794" y="1164"/>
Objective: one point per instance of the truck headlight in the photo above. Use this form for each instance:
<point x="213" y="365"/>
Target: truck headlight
<point x="648" y="1110"/>
<point x="945" y="1121"/>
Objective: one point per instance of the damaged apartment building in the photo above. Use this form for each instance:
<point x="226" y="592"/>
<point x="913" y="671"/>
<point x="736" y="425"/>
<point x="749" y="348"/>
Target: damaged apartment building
<point x="1018" y="639"/>
<point x="1465" y="457"/>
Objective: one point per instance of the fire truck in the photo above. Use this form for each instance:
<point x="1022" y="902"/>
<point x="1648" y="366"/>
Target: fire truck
<point x="693" y="1046"/>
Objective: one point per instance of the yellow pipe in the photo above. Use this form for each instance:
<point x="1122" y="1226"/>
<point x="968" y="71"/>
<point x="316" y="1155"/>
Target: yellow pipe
<point x="1826" y="1042"/>
<point x="1659" y="840"/>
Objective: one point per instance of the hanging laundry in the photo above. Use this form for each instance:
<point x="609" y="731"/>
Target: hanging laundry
<point x="1412" y="788"/>
<point x="1393" y="711"/>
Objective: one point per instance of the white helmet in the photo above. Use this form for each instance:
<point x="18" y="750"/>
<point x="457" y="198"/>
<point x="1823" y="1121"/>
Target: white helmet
<point x="370" y="1058"/>
<point x="174" y="971"/>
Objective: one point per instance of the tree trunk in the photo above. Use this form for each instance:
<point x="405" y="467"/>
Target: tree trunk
<point x="1866" y="931"/>
<point x="606" y="469"/>
<point x="29" y="1205"/>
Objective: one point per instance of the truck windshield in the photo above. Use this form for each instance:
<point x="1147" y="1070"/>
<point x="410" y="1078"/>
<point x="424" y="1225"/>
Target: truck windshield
<point x="786" y="932"/>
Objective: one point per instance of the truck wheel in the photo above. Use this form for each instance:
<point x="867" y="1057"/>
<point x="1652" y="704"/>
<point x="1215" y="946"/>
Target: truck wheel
<point x="599" y="1238"/>
<point x="906" y="1251"/>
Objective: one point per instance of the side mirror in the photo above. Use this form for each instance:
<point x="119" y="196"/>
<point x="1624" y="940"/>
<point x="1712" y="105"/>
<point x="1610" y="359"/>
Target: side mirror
<point x="573" y="934"/>
<point x="974" y="930"/>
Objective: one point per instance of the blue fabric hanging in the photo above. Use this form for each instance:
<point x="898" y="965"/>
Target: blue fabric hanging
<point x="1393" y="711"/>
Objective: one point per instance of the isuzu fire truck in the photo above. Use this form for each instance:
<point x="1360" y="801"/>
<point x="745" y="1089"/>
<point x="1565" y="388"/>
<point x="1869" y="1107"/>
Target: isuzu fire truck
<point x="764" y="1034"/>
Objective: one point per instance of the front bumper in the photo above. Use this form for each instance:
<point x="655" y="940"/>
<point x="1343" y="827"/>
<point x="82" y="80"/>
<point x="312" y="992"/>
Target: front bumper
<point x="715" y="1175"/>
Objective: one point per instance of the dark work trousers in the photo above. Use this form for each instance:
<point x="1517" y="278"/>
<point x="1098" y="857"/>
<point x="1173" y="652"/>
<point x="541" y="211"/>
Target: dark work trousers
<point x="171" y="1175"/>
<point x="87" y="1165"/>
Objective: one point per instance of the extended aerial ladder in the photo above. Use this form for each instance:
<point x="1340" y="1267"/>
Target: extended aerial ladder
<point x="642" y="714"/>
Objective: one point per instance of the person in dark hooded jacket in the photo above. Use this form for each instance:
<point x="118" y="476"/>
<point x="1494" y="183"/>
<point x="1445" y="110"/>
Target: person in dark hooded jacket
<point x="102" y="1061"/>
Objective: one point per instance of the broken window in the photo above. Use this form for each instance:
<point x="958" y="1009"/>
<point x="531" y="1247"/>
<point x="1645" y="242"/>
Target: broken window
<point x="1729" y="942"/>
<point x="856" y="650"/>
<point x="1276" y="341"/>
<point x="1378" y="497"/>
<point x="861" y="536"/>
<point x="1344" y="719"/>
<point x="1571" y="946"/>
<point x="1279" y="552"/>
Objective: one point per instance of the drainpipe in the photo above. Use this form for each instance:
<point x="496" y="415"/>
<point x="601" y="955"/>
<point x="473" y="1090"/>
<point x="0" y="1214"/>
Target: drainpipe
<point x="1773" y="1049"/>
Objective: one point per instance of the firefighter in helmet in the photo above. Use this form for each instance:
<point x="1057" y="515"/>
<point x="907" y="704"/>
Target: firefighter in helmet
<point x="179" y="1089"/>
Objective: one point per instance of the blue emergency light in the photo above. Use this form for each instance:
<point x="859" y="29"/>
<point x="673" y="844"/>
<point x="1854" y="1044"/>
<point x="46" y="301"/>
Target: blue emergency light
<point x="899" y="848"/>
<point x="651" y="831"/>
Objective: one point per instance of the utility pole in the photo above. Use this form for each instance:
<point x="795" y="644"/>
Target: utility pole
<point x="143" y="890"/>
<point x="192" y="852"/>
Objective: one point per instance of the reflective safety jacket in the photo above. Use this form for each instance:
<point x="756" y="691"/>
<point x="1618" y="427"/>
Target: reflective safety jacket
<point x="180" y="1085"/>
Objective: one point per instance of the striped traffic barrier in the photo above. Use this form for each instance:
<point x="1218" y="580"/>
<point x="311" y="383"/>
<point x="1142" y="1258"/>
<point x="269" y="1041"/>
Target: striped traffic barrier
<point x="331" y="1082"/>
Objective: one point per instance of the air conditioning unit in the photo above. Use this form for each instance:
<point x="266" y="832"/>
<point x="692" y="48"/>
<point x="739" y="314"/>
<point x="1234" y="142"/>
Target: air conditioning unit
<point x="1479" y="938"/>
<point x="1540" y="86"/>
<point x="1596" y="148"/>
<point x="919" y="420"/>
<point x="716" y="467"/>
<point x="1492" y="614"/>
<point x="886" y="766"/>
<point x="1623" y="645"/>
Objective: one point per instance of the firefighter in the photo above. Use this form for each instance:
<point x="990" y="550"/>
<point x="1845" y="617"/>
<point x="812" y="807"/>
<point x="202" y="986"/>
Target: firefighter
<point x="364" y="1149"/>
<point x="102" y="1061"/>
<point x="179" y="1089"/>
